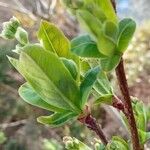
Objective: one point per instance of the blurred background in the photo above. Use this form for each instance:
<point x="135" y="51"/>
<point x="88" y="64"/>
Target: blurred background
<point x="18" y="127"/>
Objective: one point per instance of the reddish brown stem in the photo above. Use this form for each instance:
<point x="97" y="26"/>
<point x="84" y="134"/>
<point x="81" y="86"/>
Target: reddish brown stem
<point x="92" y="124"/>
<point x="120" y="72"/>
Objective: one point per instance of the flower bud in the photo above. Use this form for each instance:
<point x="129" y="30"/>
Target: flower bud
<point x="10" y="28"/>
<point x="22" y="36"/>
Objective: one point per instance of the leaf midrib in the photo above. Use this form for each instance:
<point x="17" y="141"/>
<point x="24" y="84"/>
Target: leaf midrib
<point x="48" y="38"/>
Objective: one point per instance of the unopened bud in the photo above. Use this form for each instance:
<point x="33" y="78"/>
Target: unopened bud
<point x="10" y="28"/>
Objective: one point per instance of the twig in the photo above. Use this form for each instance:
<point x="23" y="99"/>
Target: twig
<point x="120" y="72"/>
<point x="128" y="111"/>
<point x="13" y="124"/>
<point x="90" y="122"/>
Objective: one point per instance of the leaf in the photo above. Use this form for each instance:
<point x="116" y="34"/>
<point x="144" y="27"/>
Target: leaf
<point x="106" y="45"/>
<point x="53" y="39"/>
<point x="96" y="11"/>
<point x="84" y="46"/>
<point x="140" y="114"/>
<point x="117" y="143"/>
<point x="49" y="78"/>
<point x="144" y="136"/>
<point x="126" y="30"/>
<point x="84" y="67"/>
<point x="87" y="83"/>
<point x="71" y="66"/>
<point x="110" y="63"/>
<point x="28" y="94"/>
<point x="111" y="30"/>
<point x="108" y="9"/>
<point x="105" y="99"/>
<point x="56" y="119"/>
<point x="102" y="85"/>
<point x="89" y="22"/>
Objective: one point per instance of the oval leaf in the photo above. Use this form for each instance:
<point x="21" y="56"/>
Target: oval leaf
<point x="71" y="66"/>
<point x="84" y="46"/>
<point x="126" y="30"/>
<point x="110" y="63"/>
<point x="88" y="82"/>
<point x="48" y="76"/>
<point x="28" y="94"/>
<point x="57" y="119"/>
<point x="53" y="39"/>
<point x="89" y="22"/>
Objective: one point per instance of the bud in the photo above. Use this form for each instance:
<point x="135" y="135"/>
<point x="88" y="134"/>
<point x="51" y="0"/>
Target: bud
<point x="10" y="28"/>
<point x="22" y="36"/>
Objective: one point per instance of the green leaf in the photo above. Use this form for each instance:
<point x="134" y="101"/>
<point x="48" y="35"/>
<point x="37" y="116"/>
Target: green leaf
<point x="48" y="76"/>
<point x="107" y="8"/>
<point x="71" y="66"/>
<point x="53" y="39"/>
<point x="57" y="119"/>
<point x="105" y="99"/>
<point x="96" y="11"/>
<point x="117" y="143"/>
<point x="111" y="30"/>
<point x="140" y="114"/>
<point x="92" y="24"/>
<point x="102" y="85"/>
<point x="22" y="36"/>
<point x="144" y="136"/>
<point x="28" y="94"/>
<point x="87" y="84"/>
<point x="84" y="67"/>
<point x="84" y="46"/>
<point x="106" y="45"/>
<point x="109" y="63"/>
<point x="126" y="30"/>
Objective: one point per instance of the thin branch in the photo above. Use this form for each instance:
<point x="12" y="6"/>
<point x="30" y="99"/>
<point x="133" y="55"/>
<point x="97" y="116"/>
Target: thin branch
<point x="13" y="124"/>
<point x="128" y="111"/>
<point x="90" y="122"/>
<point x="120" y="72"/>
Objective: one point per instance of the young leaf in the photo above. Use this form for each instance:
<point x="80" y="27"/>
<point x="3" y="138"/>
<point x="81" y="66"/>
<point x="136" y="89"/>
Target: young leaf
<point x="71" y="66"/>
<point x="53" y="39"/>
<point x="89" y="22"/>
<point x="96" y="11"/>
<point x="106" y="45"/>
<point x="84" y="46"/>
<point x="117" y="143"/>
<point x="111" y="30"/>
<point x="53" y="82"/>
<point x="87" y="84"/>
<point x="126" y="30"/>
<point x="57" y="119"/>
<point x="105" y="99"/>
<point x="144" y="136"/>
<point x="110" y="63"/>
<point x="102" y="84"/>
<point x="107" y="8"/>
<point x="28" y="94"/>
<point x="140" y="114"/>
